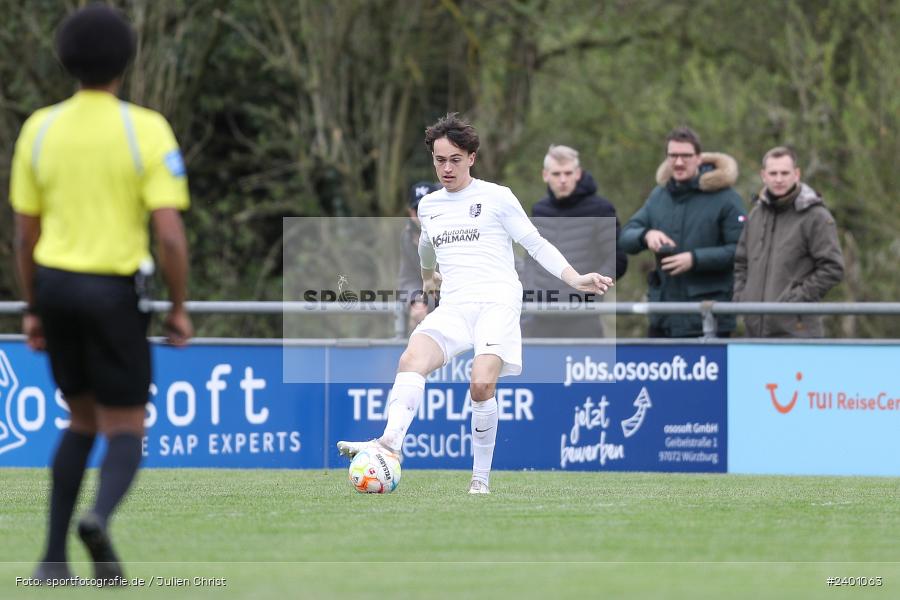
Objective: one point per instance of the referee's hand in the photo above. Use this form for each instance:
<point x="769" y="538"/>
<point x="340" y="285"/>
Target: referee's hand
<point x="34" y="332"/>
<point x="178" y="327"/>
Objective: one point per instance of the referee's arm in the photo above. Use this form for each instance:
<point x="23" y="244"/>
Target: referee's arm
<point x="172" y="250"/>
<point x="28" y="231"/>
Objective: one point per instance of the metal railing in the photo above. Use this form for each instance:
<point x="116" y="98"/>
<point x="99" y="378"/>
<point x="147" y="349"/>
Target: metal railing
<point x="707" y="310"/>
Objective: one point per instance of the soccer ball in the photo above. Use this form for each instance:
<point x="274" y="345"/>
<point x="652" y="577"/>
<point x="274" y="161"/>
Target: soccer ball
<point x="375" y="472"/>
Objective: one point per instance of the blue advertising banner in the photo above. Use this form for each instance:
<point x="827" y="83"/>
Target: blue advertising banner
<point x="814" y="410"/>
<point x="213" y="406"/>
<point x="653" y="408"/>
<point x="642" y="407"/>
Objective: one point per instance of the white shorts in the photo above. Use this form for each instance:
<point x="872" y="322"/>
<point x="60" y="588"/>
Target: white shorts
<point x="490" y="328"/>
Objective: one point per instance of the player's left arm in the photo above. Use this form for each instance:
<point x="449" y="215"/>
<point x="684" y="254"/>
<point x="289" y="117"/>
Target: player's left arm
<point x="549" y="257"/>
<point x="523" y="232"/>
<point x="594" y="283"/>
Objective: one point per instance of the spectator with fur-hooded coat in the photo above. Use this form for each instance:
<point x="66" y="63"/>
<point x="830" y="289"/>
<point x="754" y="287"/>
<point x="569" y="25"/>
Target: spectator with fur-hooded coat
<point x="692" y="221"/>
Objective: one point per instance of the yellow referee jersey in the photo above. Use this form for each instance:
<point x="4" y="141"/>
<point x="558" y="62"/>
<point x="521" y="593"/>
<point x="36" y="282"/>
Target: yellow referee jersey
<point x="92" y="168"/>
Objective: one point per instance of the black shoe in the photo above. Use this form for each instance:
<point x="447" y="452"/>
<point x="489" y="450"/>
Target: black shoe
<point x="95" y="538"/>
<point x="46" y="571"/>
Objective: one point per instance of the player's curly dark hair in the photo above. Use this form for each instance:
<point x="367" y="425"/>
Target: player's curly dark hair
<point x="95" y="44"/>
<point x="454" y="128"/>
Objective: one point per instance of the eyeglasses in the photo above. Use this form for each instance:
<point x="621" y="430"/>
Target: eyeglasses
<point x="685" y="157"/>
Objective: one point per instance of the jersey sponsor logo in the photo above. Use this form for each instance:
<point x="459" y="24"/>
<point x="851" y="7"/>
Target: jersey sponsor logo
<point x="174" y="163"/>
<point x="456" y="235"/>
<point x="475" y="210"/>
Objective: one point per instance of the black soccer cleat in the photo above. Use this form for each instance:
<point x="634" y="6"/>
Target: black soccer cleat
<point x="95" y="538"/>
<point x="48" y="571"/>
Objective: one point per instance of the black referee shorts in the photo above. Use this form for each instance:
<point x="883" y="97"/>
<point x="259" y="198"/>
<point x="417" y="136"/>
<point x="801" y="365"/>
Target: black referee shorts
<point x="96" y="336"/>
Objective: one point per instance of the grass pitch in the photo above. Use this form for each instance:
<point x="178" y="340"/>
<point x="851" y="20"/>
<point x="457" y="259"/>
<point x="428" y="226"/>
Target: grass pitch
<point x="307" y="534"/>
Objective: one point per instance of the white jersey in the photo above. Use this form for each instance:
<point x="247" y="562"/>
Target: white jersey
<point x="472" y="231"/>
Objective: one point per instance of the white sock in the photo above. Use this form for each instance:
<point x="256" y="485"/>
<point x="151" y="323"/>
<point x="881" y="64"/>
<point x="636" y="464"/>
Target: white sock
<point x="403" y="404"/>
<point x="484" y="437"/>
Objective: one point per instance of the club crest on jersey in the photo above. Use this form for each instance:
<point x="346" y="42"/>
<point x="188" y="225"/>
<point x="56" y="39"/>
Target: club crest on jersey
<point x="475" y="210"/>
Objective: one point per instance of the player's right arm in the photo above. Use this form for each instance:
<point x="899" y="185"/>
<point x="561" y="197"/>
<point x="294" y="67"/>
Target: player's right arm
<point x="431" y="279"/>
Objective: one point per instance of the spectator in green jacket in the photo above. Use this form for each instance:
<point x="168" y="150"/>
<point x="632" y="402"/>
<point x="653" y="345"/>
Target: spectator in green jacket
<point x="691" y="221"/>
<point x="789" y="250"/>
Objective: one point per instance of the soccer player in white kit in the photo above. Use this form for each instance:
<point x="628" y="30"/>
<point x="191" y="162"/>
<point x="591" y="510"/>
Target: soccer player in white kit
<point x="468" y="228"/>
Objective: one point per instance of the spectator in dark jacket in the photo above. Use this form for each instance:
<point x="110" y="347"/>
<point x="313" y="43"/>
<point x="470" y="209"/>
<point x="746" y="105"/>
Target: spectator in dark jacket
<point x="409" y="279"/>
<point x="788" y="252"/>
<point x="586" y="236"/>
<point x="691" y="221"/>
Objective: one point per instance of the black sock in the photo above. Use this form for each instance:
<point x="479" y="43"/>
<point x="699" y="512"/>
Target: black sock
<point x="123" y="457"/>
<point x="67" y="472"/>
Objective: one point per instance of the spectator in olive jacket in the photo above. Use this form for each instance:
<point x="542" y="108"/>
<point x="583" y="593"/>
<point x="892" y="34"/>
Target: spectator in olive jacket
<point x="788" y="252"/>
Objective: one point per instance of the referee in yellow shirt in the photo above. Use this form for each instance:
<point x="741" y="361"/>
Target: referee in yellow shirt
<point x="87" y="176"/>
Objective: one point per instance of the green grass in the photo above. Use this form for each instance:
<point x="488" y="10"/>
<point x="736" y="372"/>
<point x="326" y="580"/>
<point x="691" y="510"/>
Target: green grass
<point x="277" y="534"/>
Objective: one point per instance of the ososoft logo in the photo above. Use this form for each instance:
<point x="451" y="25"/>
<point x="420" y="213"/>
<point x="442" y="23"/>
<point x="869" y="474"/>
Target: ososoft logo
<point x="10" y="437"/>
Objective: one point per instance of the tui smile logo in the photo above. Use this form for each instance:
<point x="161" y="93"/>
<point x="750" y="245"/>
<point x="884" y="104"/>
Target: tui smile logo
<point x="784" y="408"/>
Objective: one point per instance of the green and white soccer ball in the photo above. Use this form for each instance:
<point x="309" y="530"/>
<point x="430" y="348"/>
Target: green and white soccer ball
<point x="375" y="472"/>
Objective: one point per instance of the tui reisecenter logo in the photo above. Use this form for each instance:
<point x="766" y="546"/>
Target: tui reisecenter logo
<point x="830" y="399"/>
